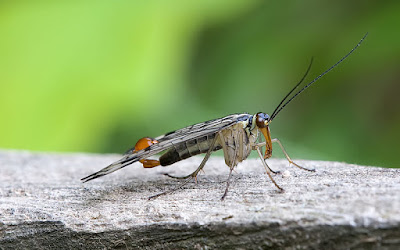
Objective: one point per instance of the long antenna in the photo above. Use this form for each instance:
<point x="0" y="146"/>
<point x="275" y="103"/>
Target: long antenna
<point x="295" y="87"/>
<point x="279" y="108"/>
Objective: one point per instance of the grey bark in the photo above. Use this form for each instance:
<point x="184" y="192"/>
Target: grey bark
<point x="43" y="204"/>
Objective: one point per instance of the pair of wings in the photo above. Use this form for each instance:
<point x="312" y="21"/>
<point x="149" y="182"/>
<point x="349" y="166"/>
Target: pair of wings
<point x="170" y="139"/>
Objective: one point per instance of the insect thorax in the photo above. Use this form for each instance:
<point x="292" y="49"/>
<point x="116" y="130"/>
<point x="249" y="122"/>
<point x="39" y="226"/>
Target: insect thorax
<point x="236" y="141"/>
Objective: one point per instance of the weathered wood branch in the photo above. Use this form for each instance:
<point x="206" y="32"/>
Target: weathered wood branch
<point x="43" y="204"/>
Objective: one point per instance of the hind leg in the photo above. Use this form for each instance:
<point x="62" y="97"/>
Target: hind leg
<point x="258" y="146"/>
<point x="267" y="169"/>
<point x="190" y="176"/>
<point x="288" y="157"/>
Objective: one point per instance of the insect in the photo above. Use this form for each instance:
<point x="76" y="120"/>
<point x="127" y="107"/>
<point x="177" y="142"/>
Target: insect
<point x="237" y="135"/>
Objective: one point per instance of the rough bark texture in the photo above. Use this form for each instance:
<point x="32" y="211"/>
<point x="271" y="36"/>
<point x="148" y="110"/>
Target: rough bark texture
<point x="43" y="204"/>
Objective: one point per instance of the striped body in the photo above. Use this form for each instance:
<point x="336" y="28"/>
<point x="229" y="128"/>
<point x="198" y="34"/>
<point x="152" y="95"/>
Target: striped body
<point x="236" y="142"/>
<point x="188" y="149"/>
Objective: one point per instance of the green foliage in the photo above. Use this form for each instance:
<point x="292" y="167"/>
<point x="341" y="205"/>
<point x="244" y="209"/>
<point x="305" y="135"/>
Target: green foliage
<point x="96" y="76"/>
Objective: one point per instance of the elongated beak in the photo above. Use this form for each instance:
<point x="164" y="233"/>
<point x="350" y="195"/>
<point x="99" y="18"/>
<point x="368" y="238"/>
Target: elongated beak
<point x="268" y="143"/>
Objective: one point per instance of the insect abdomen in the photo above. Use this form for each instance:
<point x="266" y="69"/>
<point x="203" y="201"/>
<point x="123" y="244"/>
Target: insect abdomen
<point x="188" y="149"/>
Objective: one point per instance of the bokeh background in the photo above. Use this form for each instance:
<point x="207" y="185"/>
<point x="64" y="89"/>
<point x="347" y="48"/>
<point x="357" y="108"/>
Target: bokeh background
<point x="95" y="76"/>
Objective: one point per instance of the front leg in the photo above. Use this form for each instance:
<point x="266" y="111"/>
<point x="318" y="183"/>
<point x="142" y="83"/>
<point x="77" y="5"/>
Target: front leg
<point x="288" y="157"/>
<point x="258" y="146"/>
<point x="267" y="169"/>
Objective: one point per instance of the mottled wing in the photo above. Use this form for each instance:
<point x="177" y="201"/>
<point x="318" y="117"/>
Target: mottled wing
<point x="168" y="140"/>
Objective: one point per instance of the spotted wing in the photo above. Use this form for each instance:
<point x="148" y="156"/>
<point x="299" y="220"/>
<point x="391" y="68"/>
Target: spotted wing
<point x="168" y="140"/>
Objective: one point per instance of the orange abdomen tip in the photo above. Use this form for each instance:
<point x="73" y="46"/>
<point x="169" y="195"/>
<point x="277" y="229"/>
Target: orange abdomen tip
<point x="144" y="143"/>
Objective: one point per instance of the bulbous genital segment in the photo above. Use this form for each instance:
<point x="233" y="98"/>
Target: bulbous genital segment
<point x="149" y="163"/>
<point x="143" y="143"/>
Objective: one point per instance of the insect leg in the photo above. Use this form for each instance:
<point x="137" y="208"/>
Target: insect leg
<point x="267" y="169"/>
<point x="192" y="175"/>
<point x="227" y="184"/>
<point x="180" y="177"/>
<point x="234" y="162"/>
<point x="260" y="145"/>
<point x="170" y="191"/>
<point x="288" y="157"/>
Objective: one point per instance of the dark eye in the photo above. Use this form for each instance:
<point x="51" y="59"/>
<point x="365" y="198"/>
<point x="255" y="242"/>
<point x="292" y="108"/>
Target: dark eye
<point x="260" y="120"/>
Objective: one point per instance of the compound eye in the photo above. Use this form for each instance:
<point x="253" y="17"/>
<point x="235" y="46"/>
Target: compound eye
<point x="260" y="120"/>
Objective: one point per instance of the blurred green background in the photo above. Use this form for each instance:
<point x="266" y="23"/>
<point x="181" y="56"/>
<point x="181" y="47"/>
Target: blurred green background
<point x="95" y="76"/>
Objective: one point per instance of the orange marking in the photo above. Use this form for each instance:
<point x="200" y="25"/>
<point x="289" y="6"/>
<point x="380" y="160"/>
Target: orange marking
<point x="148" y="163"/>
<point x="145" y="143"/>
<point x="268" y="144"/>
